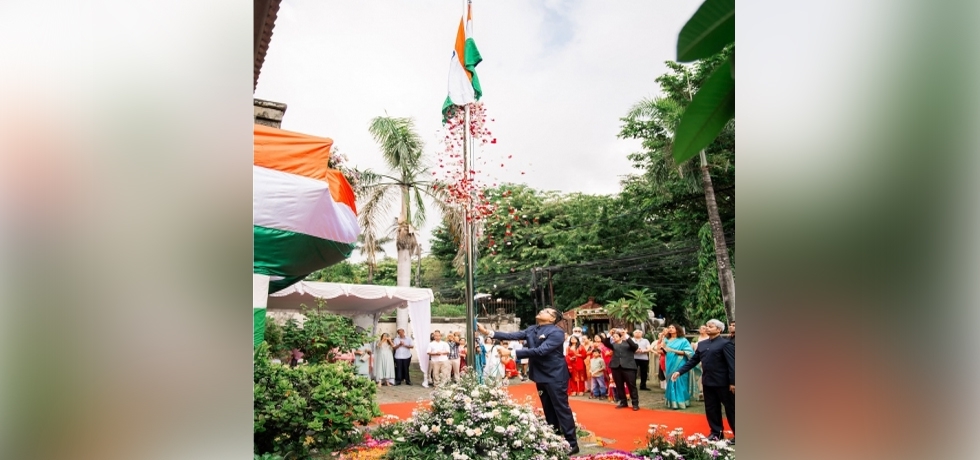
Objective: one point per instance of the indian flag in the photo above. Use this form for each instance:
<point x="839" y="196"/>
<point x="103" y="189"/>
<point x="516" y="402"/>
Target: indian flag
<point x="303" y="213"/>
<point x="464" y="86"/>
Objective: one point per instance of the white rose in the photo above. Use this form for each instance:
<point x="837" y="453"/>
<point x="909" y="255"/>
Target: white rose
<point x="470" y="432"/>
<point x="499" y="429"/>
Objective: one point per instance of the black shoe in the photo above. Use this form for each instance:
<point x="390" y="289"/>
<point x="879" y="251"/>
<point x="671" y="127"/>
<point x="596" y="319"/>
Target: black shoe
<point x="573" y="451"/>
<point x="622" y="406"/>
<point x="399" y="383"/>
<point x="636" y="407"/>
<point x="731" y="442"/>
<point x="715" y="437"/>
<point x="644" y="388"/>
<point x="408" y="383"/>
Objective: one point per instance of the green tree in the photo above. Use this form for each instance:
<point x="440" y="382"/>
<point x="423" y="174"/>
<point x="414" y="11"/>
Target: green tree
<point x="370" y="245"/>
<point x="655" y="122"/>
<point x="343" y="272"/>
<point x="405" y="184"/>
<point x="386" y="272"/>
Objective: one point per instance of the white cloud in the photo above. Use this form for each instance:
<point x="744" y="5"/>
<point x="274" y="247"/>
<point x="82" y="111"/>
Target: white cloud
<point x="557" y="76"/>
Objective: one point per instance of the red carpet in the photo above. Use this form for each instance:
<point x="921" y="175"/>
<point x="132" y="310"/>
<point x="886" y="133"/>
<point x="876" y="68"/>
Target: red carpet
<point x="597" y="417"/>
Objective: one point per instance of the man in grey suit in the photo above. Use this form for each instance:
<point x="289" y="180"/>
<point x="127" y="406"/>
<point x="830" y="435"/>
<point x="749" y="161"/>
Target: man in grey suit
<point x="547" y="369"/>
<point x="623" y="366"/>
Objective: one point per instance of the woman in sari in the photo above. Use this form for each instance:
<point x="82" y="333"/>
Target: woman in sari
<point x="575" y="360"/>
<point x="587" y="346"/>
<point x="479" y="360"/>
<point x="696" y="372"/>
<point x="678" y="351"/>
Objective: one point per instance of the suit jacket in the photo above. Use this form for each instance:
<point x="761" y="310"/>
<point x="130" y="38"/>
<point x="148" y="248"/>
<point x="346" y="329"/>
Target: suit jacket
<point x="623" y="353"/>
<point x="544" y="348"/>
<point x="717" y="358"/>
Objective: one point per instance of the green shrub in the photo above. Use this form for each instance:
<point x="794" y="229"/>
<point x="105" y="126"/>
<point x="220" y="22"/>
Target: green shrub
<point x="267" y="457"/>
<point x="448" y="310"/>
<point x="308" y="409"/>
<point x="273" y="336"/>
<point x="322" y="335"/>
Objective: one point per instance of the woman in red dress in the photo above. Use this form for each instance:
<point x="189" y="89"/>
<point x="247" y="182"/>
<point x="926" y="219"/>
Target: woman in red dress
<point x="575" y="359"/>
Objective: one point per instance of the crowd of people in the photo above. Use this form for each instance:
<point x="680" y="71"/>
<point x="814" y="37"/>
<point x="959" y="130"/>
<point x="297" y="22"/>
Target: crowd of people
<point x="612" y="365"/>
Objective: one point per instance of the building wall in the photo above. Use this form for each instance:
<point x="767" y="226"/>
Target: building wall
<point x="269" y="113"/>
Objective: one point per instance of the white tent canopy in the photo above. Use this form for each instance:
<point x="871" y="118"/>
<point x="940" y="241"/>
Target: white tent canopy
<point x="361" y="299"/>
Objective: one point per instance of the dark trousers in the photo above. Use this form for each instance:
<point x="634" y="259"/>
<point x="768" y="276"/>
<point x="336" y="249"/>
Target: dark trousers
<point x="714" y="398"/>
<point x="643" y="369"/>
<point x="554" y="401"/>
<point x="625" y="377"/>
<point x="401" y="370"/>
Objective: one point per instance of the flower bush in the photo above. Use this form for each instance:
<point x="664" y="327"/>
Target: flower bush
<point x="339" y="161"/>
<point x="612" y="455"/>
<point x="664" y="445"/>
<point x="308" y="409"/>
<point x="469" y="420"/>
<point x="370" y="449"/>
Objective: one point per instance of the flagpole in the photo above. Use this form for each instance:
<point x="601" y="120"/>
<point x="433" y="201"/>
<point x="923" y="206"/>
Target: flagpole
<point x="468" y="236"/>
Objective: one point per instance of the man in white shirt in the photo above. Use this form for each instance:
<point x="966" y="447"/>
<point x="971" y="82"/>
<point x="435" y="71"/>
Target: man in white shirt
<point x="439" y="359"/>
<point x="642" y="358"/>
<point x="403" y="357"/>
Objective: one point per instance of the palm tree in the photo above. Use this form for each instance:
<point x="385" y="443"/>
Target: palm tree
<point x="665" y="113"/>
<point x="370" y="245"/>
<point x="632" y="309"/>
<point x="405" y="184"/>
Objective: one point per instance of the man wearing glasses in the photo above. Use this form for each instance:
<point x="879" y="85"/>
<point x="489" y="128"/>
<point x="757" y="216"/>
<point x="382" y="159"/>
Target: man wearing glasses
<point x="547" y="369"/>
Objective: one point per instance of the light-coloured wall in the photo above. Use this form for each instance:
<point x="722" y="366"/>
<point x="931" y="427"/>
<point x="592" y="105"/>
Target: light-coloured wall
<point x="509" y="323"/>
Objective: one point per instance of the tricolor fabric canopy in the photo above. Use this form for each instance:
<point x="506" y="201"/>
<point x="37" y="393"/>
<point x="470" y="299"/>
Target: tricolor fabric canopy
<point x="304" y="216"/>
<point x="362" y="299"/>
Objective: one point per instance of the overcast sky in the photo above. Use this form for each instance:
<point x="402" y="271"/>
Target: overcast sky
<point x="556" y="75"/>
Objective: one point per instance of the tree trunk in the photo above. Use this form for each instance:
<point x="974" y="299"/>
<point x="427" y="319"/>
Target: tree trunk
<point x="405" y="243"/>
<point x="725" y="278"/>
<point x="370" y="267"/>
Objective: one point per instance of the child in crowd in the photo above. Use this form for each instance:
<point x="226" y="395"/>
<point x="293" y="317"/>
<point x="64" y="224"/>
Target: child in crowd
<point x="510" y="366"/>
<point x="597" y="375"/>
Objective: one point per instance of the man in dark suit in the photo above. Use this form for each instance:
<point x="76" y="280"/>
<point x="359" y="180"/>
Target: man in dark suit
<point x="717" y="358"/>
<point x="547" y="369"/>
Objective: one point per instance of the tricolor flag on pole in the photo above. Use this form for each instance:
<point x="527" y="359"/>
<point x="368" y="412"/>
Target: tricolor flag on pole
<point x="464" y="86"/>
